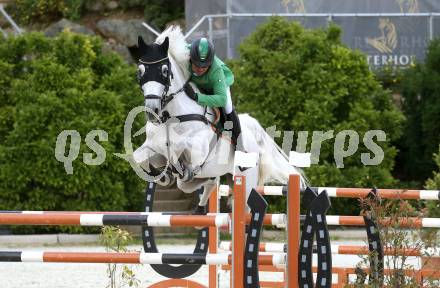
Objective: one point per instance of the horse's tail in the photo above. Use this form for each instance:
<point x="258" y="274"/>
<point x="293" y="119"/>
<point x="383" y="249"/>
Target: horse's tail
<point x="274" y="166"/>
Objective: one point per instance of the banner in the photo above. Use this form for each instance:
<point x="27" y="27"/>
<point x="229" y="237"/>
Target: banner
<point x="398" y="41"/>
<point x="386" y="39"/>
<point x="334" y="6"/>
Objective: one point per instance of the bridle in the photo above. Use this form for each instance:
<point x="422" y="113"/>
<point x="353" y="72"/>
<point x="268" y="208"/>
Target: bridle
<point x="166" y="97"/>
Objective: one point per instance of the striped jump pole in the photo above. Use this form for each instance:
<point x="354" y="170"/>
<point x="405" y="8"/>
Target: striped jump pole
<point x="152" y="219"/>
<point x="263" y="247"/>
<point x="158" y="219"/>
<point x="364" y="250"/>
<point x="343" y="249"/>
<point x="131" y="258"/>
<point x="408" y="222"/>
<point x="349" y="192"/>
<point x="225" y="190"/>
<point x="382" y="193"/>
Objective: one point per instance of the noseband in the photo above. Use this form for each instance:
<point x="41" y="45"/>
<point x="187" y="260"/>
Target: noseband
<point x="165" y="98"/>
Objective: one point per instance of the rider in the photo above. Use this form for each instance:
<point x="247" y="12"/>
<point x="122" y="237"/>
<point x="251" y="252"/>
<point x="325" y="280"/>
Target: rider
<point x="214" y="79"/>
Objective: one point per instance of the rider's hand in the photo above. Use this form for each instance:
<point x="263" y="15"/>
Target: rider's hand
<point x="190" y="92"/>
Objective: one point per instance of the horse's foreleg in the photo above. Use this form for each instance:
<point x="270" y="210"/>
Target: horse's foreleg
<point x="208" y="188"/>
<point x="156" y="167"/>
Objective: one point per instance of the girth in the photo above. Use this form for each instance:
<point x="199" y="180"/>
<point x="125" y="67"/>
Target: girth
<point x="184" y="118"/>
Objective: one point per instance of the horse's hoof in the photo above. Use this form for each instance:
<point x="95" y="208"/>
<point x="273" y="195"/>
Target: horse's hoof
<point x="187" y="176"/>
<point x="242" y="169"/>
<point x="167" y="180"/>
<point x="199" y="210"/>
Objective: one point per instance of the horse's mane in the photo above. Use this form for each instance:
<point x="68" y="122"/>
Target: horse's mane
<point x="178" y="47"/>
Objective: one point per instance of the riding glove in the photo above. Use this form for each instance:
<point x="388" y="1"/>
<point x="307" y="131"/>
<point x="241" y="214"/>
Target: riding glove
<point x="190" y="92"/>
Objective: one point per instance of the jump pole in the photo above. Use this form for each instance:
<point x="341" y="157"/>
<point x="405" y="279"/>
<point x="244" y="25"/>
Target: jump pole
<point x="213" y="239"/>
<point x="293" y="229"/>
<point x="238" y="231"/>
<point x="337" y="192"/>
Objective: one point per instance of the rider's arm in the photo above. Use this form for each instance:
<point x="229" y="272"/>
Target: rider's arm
<point x="219" y="96"/>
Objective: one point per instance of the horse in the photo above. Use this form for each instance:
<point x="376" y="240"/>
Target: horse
<point x="181" y="140"/>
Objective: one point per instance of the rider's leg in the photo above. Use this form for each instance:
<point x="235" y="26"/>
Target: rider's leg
<point x="232" y="116"/>
<point x="228" y="107"/>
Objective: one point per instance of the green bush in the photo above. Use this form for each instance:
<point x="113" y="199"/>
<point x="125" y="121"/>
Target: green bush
<point x="31" y="11"/>
<point x="421" y="105"/>
<point x="64" y="83"/>
<point x="307" y="80"/>
<point x="434" y="184"/>
<point x="156" y="12"/>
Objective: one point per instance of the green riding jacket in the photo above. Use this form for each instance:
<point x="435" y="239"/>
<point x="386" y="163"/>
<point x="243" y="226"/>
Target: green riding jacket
<point x="214" y="83"/>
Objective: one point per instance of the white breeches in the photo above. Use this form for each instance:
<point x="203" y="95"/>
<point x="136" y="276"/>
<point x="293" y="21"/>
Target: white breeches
<point x="228" y="106"/>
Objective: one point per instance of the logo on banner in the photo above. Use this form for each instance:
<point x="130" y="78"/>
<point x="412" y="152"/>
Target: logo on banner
<point x="386" y="43"/>
<point x="297" y="5"/>
<point x="408" y="6"/>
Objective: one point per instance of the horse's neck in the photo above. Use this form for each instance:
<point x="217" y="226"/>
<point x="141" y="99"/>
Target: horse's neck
<point x="181" y="104"/>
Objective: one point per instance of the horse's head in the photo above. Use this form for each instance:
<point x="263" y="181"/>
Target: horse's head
<point x="154" y="73"/>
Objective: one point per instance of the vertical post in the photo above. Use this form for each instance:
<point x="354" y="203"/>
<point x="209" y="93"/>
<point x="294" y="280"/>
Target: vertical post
<point x="210" y="37"/>
<point x="342" y="278"/>
<point x="228" y="35"/>
<point x="293" y="226"/>
<point x="238" y="231"/>
<point x="431" y="27"/>
<point x="329" y="19"/>
<point x="213" y="238"/>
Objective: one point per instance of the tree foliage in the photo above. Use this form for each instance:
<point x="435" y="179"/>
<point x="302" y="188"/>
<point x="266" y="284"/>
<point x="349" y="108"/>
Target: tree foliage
<point x="31" y="11"/>
<point x="434" y="184"/>
<point x="307" y="80"/>
<point x="421" y="105"/>
<point x="55" y="84"/>
<point x="158" y="12"/>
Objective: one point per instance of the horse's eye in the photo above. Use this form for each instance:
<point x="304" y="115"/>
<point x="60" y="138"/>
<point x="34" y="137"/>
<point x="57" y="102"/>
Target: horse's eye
<point x="165" y="71"/>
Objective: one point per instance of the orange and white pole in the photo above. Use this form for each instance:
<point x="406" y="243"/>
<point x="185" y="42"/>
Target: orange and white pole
<point x="238" y="234"/>
<point x="213" y="239"/>
<point x="293" y="228"/>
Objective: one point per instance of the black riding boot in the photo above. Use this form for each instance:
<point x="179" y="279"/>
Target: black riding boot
<point x="236" y="130"/>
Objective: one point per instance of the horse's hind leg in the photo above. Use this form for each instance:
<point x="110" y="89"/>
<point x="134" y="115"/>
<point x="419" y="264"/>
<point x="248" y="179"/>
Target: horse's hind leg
<point x="197" y="183"/>
<point x="208" y="188"/>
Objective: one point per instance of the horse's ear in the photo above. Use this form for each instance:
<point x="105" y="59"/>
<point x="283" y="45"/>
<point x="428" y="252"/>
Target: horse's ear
<point x="165" y="44"/>
<point x="141" y="44"/>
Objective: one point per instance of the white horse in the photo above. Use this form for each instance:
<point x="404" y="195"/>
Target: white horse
<point x="181" y="135"/>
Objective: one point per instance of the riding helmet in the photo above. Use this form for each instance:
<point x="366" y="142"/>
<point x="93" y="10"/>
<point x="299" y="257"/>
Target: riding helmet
<point x="202" y="53"/>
